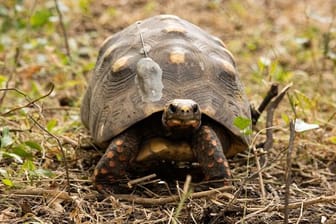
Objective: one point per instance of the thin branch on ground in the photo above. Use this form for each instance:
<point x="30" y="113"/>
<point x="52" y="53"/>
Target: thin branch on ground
<point x="295" y="205"/>
<point x="288" y="168"/>
<point x="10" y="77"/>
<point x="65" y="35"/>
<point x="270" y="115"/>
<point x="272" y="92"/>
<point x="30" y="102"/>
<point x="131" y="183"/>
<point x="261" y="181"/>
<point x="60" y="148"/>
<point x="126" y="197"/>
<point x="175" y="198"/>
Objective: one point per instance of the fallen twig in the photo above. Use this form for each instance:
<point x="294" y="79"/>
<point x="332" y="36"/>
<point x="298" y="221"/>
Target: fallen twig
<point x="65" y="35"/>
<point x="304" y="203"/>
<point x="30" y="102"/>
<point x="173" y="198"/>
<point x="295" y="205"/>
<point x="140" y="180"/>
<point x="288" y="168"/>
<point x="60" y="148"/>
<point x="272" y="92"/>
<point x="261" y="181"/>
<point x="6" y="87"/>
<point x="269" y="117"/>
<point x="126" y="197"/>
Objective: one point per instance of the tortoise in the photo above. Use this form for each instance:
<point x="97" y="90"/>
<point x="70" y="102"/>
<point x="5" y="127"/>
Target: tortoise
<point x="163" y="83"/>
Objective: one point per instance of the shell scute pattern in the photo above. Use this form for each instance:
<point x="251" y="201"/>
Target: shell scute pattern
<point x="194" y="64"/>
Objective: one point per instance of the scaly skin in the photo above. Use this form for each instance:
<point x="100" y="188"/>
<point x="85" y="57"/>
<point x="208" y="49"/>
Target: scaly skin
<point x="208" y="151"/>
<point x="119" y="155"/>
<point x="112" y="167"/>
<point x="181" y="120"/>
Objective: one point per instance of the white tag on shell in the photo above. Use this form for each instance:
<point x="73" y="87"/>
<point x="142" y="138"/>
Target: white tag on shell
<point x="149" y="80"/>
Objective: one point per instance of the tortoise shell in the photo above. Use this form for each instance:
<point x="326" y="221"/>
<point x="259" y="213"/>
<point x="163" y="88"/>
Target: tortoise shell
<point x="195" y="65"/>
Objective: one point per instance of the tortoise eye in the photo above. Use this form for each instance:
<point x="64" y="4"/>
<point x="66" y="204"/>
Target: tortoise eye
<point x="195" y="108"/>
<point x="172" y="108"/>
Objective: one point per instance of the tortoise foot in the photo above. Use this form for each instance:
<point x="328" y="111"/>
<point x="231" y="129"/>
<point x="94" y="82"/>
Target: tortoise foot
<point x="110" y="172"/>
<point x="209" y="153"/>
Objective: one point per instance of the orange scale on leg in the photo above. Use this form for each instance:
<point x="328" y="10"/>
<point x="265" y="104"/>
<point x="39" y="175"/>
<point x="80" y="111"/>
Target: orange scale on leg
<point x="213" y="142"/>
<point x="119" y="149"/>
<point x="211" y="164"/>
<point x="109" y="155"/>
<point x="119" y="142"/>
<point x="219" y="160"/>
<point x="226" y="164"/>
<point x="103" y="171"/>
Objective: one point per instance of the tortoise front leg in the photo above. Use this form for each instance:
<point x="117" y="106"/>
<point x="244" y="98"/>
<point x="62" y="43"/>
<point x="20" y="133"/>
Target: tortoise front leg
<point x="208" y="151"/>
<point x="112" y="167"/>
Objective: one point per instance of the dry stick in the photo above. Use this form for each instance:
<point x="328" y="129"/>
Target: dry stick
<point x="280" y="208"/>
<point x="253" y="214"/>
<point x="273" y="106"/>
<point x="25" y="95"/>
<point x="300" y="216"/>
<point x="65" y="36"/>
<point x="272" y="92"/>
<point x="261" y="180"/>
<point x="6" y="86"/>
<point x="288" y="168"/>
<point x="60" y="148"/>
<point x="173" y="198"/>
<point x="140" y="180"/>
<point x="269" y="118"/>
<point x="153" y="201"/>
<point x="305" y="203"/>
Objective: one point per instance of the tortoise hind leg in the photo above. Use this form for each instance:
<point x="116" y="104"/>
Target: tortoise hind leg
<point x="208" y="151"/>
<point x="112" y="167"/>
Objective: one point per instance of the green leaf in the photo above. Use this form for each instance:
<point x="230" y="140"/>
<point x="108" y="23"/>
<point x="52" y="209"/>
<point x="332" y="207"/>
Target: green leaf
<point x="40" y="18"/>
<point x="3" y="80"/>
<point x="44" y="172"/>
<point x="285" y="118"/>
<point x="243" y="124"/>
<point x="51" y="125"/>
<point x="16" y="157"/>
<point x="84" y="5"/>
<point x="6" y="139"/>
<point x="21" y="151"/>
<point x="28" y="165"/>
<point x="33" y="145"/>
<point x="332" y="139"/>
<point x="7" y="182"/>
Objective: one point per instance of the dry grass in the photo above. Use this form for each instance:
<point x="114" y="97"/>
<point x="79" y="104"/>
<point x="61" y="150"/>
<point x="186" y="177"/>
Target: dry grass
<point x="297" y="39"/>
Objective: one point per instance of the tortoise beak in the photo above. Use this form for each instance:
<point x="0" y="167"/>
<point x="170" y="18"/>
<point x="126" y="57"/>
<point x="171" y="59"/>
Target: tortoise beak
<point x="181" y="113"/>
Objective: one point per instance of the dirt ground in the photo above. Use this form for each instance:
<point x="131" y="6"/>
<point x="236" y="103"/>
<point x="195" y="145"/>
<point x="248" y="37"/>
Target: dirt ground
<point x="279" y="41"/>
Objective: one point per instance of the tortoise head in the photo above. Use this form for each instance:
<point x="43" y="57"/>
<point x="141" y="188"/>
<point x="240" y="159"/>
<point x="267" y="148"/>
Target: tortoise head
<point x="181" y="114"/>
